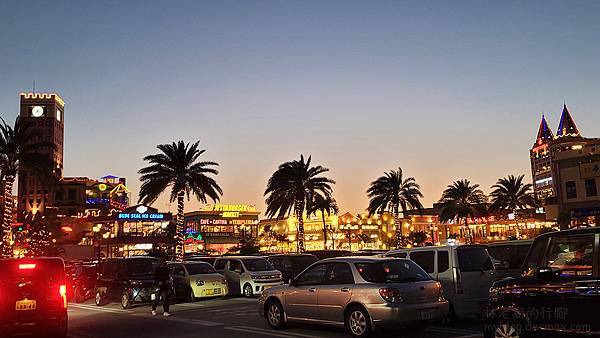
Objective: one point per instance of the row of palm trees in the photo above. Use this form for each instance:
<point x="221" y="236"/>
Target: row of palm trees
<point x="295" y="187"/>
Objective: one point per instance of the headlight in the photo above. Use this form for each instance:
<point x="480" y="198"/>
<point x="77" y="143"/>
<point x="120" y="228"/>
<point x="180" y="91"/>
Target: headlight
<point x="199" y="283"/>
<point x="254" y="277"/>
<point x="440" y="292"/>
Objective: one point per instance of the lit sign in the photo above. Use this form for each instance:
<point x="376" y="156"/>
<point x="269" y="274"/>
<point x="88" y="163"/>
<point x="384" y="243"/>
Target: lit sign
<point x="229" y="207"/>
<point x="230" y="214"/>
<point x="102" y="186"/>
<point x="143" y="217"/>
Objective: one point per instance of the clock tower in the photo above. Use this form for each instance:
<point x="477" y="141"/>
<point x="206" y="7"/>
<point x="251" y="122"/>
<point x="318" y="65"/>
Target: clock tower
<point x="45" y="112"/>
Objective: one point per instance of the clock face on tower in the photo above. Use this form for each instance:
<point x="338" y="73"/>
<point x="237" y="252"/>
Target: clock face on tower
<point x="37" y="111"/>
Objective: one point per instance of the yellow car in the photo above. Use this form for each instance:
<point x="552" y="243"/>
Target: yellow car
<point x="197" y="280"/>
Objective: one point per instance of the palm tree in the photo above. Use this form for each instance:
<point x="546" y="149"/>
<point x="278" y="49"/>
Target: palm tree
<point x="177" y="167"/>
<point x="461" y="200"/>
<point x="392" y="192"/>
<point x="324" y="204"/>
<point x="511" y="194"/>
<point x="293" y="186"/>
<point x="21" y="149"/>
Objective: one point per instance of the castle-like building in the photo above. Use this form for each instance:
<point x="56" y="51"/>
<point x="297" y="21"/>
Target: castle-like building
<point x="566" y="171"/>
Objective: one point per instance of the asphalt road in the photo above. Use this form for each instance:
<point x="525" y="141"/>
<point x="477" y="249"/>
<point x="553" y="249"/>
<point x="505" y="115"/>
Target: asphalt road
<point x="233" y="317"/>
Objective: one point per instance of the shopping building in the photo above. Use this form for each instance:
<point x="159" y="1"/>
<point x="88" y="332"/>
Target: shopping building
<point x="566" y="172"/>
<point x="219" y="228"/>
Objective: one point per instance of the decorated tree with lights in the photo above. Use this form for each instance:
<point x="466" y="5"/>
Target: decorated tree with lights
<point x="397" y="194"/>
<point x="20" y="149"/>
<point x="292" y="187"/>
<point x="177" y="168"/>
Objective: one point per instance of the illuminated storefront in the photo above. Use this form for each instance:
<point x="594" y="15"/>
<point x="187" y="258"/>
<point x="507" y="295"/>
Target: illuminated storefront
<point x="218" y="228"/>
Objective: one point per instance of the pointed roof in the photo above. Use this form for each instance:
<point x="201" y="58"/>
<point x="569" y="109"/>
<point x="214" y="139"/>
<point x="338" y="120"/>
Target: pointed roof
<point x="567" y="126"/>
<point x="544" y="133"/>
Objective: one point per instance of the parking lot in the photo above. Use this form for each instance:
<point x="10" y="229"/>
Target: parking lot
<point x="230" y="317"/>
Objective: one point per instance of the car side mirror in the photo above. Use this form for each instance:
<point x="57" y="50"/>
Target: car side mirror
<point x="546" y="274"/>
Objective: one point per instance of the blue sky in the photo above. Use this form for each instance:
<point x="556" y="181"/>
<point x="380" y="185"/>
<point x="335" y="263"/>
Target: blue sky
<point x="446" y="90"/>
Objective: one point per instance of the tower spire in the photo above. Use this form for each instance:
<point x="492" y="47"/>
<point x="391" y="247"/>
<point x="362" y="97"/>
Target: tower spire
<point x="567" y="126"/>
<point x="544" y="133"/>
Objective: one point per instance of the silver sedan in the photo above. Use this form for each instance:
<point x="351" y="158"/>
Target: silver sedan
<point x="361" y="294"/>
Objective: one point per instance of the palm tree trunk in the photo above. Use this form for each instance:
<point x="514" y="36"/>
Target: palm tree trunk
<point x="7" y="217"/>
<point x="398" y="226"/>
<point x="469" y="236"/>
<point x="179" y="226"/>
<point x="324" y="231"/>
<point x="299" y="209"/>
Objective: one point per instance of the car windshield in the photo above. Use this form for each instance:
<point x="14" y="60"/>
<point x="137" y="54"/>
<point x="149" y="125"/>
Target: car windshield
<point x="258" y="264"/>
<point x="392" y="271"/>
<point x="474" y="258"/>
<point x="200" y="268"/>
<point x="140" y="267"/>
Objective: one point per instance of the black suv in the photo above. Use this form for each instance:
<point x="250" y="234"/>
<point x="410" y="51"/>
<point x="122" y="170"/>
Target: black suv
<point x="291" y="264"/>
<point x="33" y="297"/>
<point x="127" y="280"/>
<point x="557" y="293"/>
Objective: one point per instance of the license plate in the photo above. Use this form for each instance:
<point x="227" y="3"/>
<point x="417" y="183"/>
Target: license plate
<point x="426" y="314"/>
<point x="211" y="292"/>
<point x="25" y="305"/>
<point x="217" y="291"/>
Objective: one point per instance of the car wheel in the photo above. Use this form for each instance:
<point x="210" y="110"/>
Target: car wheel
<point x="505" y="329"/>
<point x="125" y="301"/>
<point x="99" y="299"/>
<point x="275" y="315"/>
<point x="248" y="290"/>
<point x="358" y="322"/>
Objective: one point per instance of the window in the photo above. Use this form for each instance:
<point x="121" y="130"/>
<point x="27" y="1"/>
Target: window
<point x="425" y="259"/>
<point x="501" y="254"/>
<point x="339" y="273"/>
<point x="220" y="264"/>
<point x="258" y="264"/>
<point x="571" y="189"/>
<point x="235" y="265"/>
<point x="521" y="253"/>
<point x="177" y="270"/>
<point x="199" y="268"/>
<point x="590" y="187"/>
<point x="71" y="194"/>
<point x="312" y="276"/>
<point x="443" y="261"/>
<point x="471" y="259"/>
<point x="392" y="271"/>
<point x="573" y="255"/>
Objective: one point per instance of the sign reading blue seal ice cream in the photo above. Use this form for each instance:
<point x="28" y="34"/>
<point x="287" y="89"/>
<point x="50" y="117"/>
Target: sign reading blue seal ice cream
<point x="143" y="213"/>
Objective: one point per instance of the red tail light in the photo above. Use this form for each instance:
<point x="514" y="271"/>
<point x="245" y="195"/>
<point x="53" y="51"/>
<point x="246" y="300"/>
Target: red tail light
<point x="27" y="266"/>
<point x="62" y="290"/>
<point x="391" y="295"/>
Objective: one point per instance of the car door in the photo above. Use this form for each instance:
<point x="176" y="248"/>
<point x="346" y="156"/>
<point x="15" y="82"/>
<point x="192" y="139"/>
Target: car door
<point x="233" y="273"/>
<point x="301" y="297"/>
<point x="335" y="292"/>
<point x="568" y="300"/>
<point x="180" y="282"/>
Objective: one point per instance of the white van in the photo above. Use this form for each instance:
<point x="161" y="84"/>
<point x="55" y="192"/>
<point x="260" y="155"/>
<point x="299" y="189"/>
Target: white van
<point x="466" y="273"/>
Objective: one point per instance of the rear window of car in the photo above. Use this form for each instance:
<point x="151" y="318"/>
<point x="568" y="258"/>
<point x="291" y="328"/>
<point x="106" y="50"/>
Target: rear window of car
<point x="425" y="259"/>
<point x="141" y="266"/>
<point x="200" y="268"/>
<point x="46" y="270"/>
<point x="258" y="264"/>
<point x="472" y="259"/>
<point x="392" y="271"/>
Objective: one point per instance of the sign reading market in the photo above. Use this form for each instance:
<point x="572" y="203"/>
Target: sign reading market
<point x="143" y="213"/>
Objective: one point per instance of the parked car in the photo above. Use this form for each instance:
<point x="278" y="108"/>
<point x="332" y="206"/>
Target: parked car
<point x="466" y="273"/>
<point x="127" y="280"/>
<point x="361" y="294"/>
<point x="323" y="254"/>
<point x="251" y="275"/>
<point x="193" y="280"/>
<point x="81" y="280"/>
<point x="508" y="257"/>
<point x="291" y="264"/>
<point x="33" y="296"/>
<point x="220" y="264"/>
<point x="557" y="293"/>
<point x="369" y="252"/>
<point x="208" y="259"/>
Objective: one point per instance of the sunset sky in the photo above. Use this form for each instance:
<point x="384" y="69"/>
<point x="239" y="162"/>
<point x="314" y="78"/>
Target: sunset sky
<point x="444" y="89"/>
